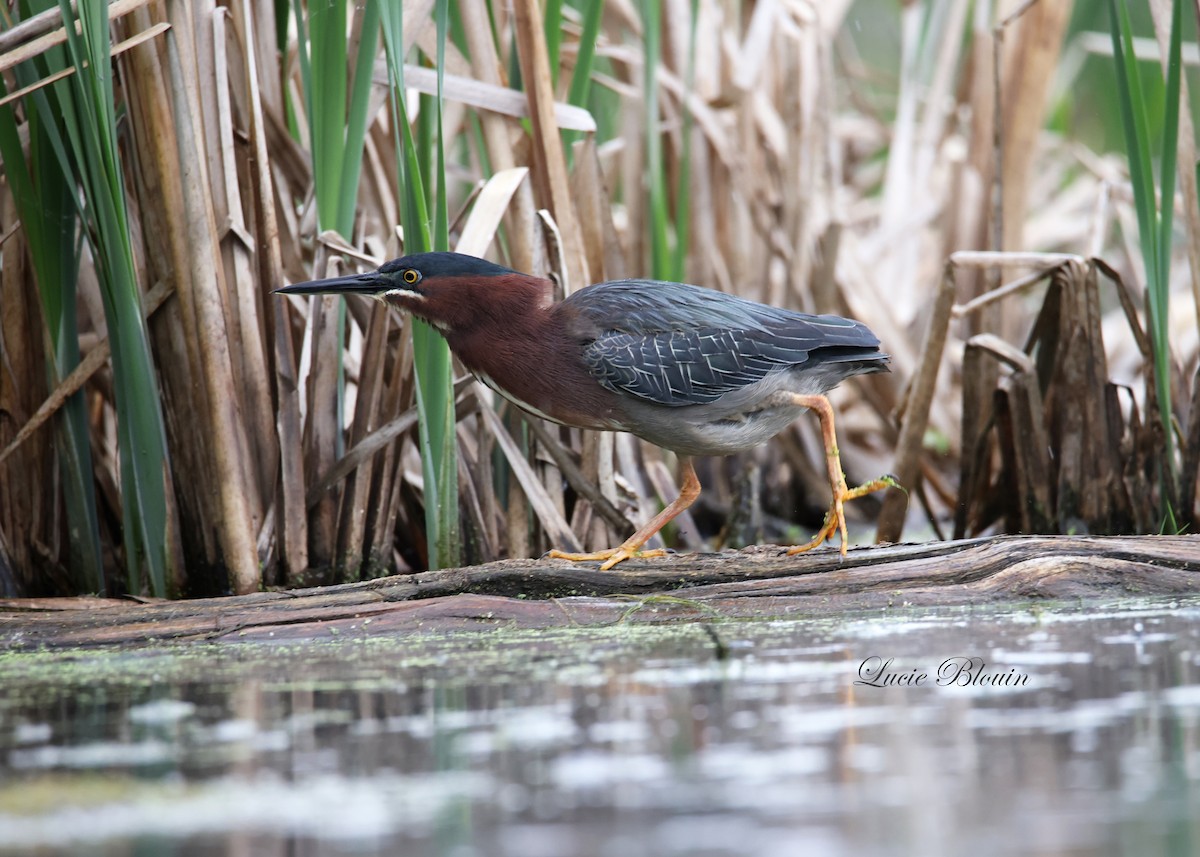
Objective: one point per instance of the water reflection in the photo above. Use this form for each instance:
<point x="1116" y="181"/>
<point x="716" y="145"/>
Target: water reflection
<point x="764" y="738"/>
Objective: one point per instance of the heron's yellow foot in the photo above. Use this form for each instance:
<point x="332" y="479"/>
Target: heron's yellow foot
<point x="835" y="518"/>
<point x="609" y="557"/>
<point x="632" y="546"/>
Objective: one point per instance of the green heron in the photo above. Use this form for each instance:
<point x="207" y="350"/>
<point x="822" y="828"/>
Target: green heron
<point x="693" y="370"/>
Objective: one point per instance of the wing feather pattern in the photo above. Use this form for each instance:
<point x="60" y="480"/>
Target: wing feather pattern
<point x="682" y="345"/>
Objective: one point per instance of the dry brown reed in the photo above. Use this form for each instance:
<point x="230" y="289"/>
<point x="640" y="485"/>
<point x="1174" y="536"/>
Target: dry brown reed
<point x="1013" y="405"/>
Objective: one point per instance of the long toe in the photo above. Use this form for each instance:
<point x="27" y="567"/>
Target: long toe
<point x="555" y="553"/>
<point x="609" y="557"/>
<point x="835" y="518"/>
<point x="871" y="487"/>
<point x="827" y="530"/>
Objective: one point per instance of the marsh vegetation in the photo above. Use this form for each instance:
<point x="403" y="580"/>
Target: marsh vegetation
<point x="958" y="176"/>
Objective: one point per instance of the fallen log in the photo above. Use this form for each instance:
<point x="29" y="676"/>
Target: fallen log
<point x="759" y="582"/>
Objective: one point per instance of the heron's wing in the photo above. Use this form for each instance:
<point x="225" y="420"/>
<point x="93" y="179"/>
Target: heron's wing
<point x="683" y="367"/>
<point x="683" y="345"/>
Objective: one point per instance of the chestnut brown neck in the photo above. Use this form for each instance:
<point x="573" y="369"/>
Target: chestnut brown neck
<point x="508" y="331"/>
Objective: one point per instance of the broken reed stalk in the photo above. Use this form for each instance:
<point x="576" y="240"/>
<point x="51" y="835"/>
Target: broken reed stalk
<point x="910" y="446"/>
<point x="1057" y="397"/>
<point x="786" y="186"/>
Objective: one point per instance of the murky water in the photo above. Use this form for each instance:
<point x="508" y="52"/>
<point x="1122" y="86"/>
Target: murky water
<point x="1079" y="735"/>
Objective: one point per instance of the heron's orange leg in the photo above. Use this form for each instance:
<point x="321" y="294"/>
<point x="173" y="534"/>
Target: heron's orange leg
<point x="835" y="518"/>
<point x="632" y="546"/>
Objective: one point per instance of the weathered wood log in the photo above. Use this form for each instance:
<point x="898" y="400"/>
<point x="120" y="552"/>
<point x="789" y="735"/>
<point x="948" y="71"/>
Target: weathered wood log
<point x="755" y="582"/>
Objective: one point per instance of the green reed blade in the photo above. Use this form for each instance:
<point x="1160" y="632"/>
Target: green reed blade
<point x="1154" y="221"/>
<point x="656" y="178"/>
<point x="431" y="356"/>
<point x="85" y="106"/>
<point x="581" y="77"/>
<point x="552" y="23"/>
<point x="47" y="210"/>
<point x="683" y="190"/>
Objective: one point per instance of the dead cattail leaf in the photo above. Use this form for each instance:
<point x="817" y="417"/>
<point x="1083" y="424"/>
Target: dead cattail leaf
<point x="543" y="505"/>
<point x="490" y="207"/>
<point x="44" y="32"/>
<point x="802" y="190"/>
<point x="117" y="49"/>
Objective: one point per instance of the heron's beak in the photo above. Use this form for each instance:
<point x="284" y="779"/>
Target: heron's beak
<point x="369" y="283"/>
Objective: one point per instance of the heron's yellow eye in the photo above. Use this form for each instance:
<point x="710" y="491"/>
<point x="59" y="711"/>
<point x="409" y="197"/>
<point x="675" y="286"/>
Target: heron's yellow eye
<point x="411" y="276"/>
